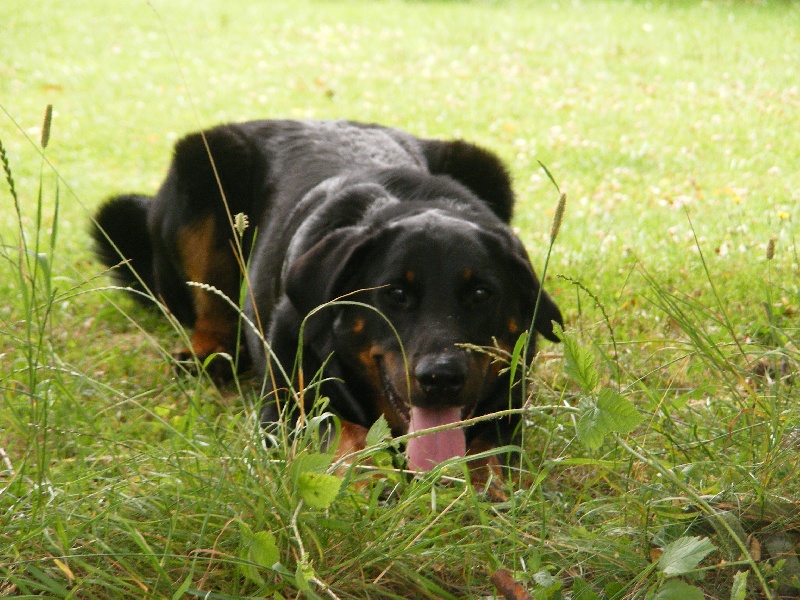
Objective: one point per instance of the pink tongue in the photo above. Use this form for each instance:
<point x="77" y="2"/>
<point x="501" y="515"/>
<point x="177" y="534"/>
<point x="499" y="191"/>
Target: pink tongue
<point x="427" y="451"/>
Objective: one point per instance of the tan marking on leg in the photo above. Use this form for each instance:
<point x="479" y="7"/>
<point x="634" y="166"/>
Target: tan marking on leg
<point x="486" y="474"/>
<point x="351" y="439"/>
<point x="204" y="261"/>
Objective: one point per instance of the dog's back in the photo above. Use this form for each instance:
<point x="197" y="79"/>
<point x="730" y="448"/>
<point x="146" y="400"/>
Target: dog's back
<point x="265" y="170"/>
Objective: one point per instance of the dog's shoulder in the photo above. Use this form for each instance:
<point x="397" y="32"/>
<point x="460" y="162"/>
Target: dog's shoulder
<point x="228" y="144"/>
<point x="226" y="155"/>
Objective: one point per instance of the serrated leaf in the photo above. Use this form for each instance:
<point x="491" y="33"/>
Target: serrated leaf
<point x="579" y="364"/>
<point x="379" y="432"/>
<point x="739" y="589"/>
<point x="383" y="459"/>
<point x="624" y="414"/>
<point x="310" y="462"/>
<point x="610" y="414"/>
<point x="675" y="589"/>
<point x="684" y="554"/>
<point x="248" y="570"/>
<point x="264" y="550"/>
<point x="318" y="490"/>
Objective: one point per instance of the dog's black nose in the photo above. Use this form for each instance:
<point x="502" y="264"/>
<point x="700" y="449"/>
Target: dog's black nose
<point x="442" y="374"/>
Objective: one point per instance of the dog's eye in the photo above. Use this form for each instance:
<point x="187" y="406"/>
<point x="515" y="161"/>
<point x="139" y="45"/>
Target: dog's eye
<point x="398" y="296"/>
<point x="479" y="295"/>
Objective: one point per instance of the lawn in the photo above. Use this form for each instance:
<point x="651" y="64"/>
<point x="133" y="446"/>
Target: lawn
<point x="663" y="440"/>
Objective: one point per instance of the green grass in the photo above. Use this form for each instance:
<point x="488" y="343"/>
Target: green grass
<point x="674" y="129"/>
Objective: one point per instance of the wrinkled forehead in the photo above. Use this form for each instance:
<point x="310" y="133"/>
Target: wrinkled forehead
<point x="433" y="219"/>
<point x="434" y="227"/>
<point x="435" y="238"/>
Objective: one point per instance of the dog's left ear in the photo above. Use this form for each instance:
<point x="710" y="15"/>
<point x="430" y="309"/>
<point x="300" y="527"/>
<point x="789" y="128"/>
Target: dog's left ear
<point x="529" y="286"/>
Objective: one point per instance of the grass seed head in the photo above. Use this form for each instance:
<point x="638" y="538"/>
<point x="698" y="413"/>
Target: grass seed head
<point x="240" y="222"/>
<point x="7" y="170"/>
<point x="48" y="119"/>
<point x="558" y="217"/>
<point x="771" y="249"/>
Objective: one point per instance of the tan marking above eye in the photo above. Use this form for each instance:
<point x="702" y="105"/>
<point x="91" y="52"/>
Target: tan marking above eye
<point x="467" y="274"/>
<point x="358" y="325"/>
<point x="513" y="327"/>
<point x="410" y="275"/>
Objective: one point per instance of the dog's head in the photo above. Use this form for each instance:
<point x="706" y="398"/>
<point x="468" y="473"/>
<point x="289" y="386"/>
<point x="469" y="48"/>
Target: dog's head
<point x="424" y="288"/>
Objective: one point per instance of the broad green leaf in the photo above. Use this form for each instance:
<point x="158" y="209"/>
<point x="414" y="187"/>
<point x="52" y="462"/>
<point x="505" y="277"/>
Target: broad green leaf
<point x="318" y="490"/>
<point x="624" y="414"/>
<point x="383" y="459"/>
<point x="739" y="589"/>
<point x="611" y="414"/>
<point x="258" y="548"/>
<point x="675" y="589"/>
<point x="264" y="550"/>
<point x="579" y="364"/>
<point x="614" y="589"/>
<point x="245" y="543"/>
<point x="592" y="428"/>
<point x="684" y="554"/>
<point x="379" y="432"/>
<point x="310" y="462"/>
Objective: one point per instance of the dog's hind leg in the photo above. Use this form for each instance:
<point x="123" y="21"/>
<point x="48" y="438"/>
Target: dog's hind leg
<point x="208" y="258"/>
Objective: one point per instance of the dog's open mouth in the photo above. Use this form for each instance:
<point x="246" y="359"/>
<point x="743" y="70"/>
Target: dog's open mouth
<point x="426" y="451"/>
<point x="399" y="405"/>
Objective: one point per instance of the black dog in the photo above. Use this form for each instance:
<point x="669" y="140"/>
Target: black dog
<point x="411" y="234"/>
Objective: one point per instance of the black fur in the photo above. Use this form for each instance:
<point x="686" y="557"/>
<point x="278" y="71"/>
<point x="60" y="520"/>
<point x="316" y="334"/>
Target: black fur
<point x="413" y="227"/>
<point x="124" y="219"/>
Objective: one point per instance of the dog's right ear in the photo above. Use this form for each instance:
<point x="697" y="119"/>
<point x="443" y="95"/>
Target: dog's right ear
<point x="328" y="269"/>
<point x="316" y="275"/>
<point x="312" y="277"/>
